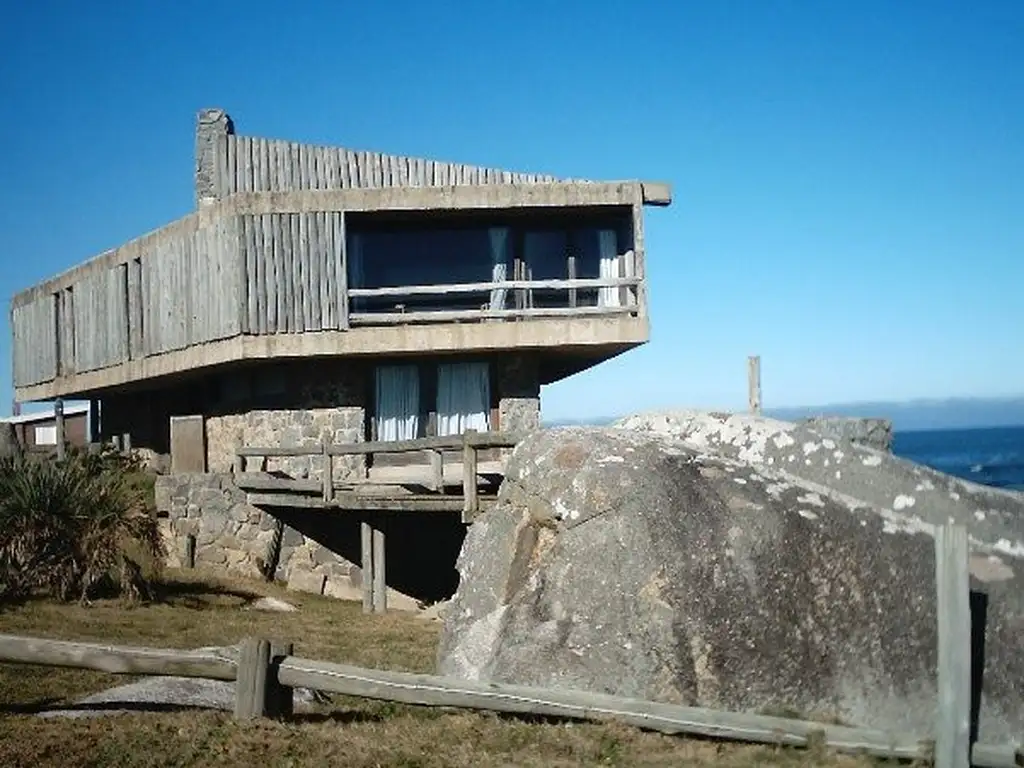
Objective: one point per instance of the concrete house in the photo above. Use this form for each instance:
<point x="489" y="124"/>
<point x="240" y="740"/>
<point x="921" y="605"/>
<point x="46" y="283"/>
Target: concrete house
<point x="323" y="293"/>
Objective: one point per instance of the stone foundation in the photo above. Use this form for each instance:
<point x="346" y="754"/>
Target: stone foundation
<point x="236" y="538"/>
<point x="518" y="393"/>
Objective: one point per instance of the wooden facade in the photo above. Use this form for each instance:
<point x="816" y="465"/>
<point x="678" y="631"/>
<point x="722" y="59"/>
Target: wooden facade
<point x="265" y="253"/>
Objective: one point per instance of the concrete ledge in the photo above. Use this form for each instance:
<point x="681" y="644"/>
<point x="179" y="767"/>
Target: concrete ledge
<point x="563" y="334"/>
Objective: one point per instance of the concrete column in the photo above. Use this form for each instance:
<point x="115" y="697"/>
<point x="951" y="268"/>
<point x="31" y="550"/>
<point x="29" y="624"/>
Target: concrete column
<point x="212" y="126"/>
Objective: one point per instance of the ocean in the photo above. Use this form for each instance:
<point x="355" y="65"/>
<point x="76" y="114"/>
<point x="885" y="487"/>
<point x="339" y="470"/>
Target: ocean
<point x="991" y="456"/>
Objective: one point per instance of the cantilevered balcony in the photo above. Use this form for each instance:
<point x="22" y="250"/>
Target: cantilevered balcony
<point x="300" y="251"/>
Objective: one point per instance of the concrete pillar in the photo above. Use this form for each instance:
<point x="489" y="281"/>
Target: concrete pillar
<point x="212" y="125"/>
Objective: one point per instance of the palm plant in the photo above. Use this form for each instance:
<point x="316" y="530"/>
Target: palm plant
<point x="68" y="525"/>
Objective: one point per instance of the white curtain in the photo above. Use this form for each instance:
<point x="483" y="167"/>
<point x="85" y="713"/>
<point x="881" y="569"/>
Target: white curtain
<point x="398" y="402"/>
<point x="608" y="248"/>
<point x="499" y="260"/>
<point x="463" y="398"/>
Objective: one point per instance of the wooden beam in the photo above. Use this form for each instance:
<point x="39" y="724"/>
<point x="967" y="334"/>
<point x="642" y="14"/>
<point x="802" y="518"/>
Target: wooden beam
<point x="117" y="660"/>
<point x="754" y="384"/>
<point x="380" y="584"/>
<point x="447" y="443"/>
<point x="352" y="501"/>
<point x="667" y="718"/>
<point x="471" y="501"/>
<point x="445" y="316"/>
<point x="366" y="551"/>
<point x="442" y="289"/>
<point x="952" y="578"/>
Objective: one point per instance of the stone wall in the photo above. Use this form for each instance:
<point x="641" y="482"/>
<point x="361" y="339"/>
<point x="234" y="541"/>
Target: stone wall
<point x="874" y="433"/>
<point x="235" y="538"/>
<point x="518" y="393"/>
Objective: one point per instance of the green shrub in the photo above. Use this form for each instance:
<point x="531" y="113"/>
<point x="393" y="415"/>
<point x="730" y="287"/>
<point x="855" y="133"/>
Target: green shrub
<point x="72" y="526"/>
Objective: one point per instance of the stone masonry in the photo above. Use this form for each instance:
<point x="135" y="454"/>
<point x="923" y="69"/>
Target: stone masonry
<point x="238" y="538"/>
<point x="519" y="393"/>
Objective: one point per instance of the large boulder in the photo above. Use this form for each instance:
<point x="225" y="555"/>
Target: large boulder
<point x="632" y="564"/>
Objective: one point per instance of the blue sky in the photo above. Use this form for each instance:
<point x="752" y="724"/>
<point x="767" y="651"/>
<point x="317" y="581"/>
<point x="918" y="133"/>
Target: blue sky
<point x="848" y="176"/>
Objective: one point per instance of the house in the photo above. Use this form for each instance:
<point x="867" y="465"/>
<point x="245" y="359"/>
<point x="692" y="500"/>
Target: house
<point x="38" y="430"/>
<point x="319" y="292"/>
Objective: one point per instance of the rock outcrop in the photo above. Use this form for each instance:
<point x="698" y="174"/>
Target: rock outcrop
<point x="706" y="572"/>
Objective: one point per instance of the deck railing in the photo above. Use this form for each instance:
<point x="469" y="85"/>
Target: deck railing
<point x="469" y="443"/>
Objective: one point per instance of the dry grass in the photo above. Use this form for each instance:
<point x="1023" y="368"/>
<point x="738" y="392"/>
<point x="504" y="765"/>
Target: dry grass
<point x="350" y="732"/>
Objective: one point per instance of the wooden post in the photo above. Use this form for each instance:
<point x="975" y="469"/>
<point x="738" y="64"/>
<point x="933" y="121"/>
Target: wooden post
<point x="570" y="269"/>
<point x="126" y="442"/>
<point x="754" y="384"/>
<point x="437" y="470"/>
<point x="251" y="686"/>
<point x="366" y="548"/>
<point x="328" y="472"/>
<point x="380" y="585"/>
<point x="115" y="442"/>
<point x="471" y="503"/>
<point x="94" y="421"/>
<point x="58" y="420"/>
<point x="952" y="579"/>
<point x="280" y="698"/>
<point x="190" y="551"/>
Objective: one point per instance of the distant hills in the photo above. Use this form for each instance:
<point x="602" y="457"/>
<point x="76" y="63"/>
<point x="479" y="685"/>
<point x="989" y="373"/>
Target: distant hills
<point x="951" y="413"/>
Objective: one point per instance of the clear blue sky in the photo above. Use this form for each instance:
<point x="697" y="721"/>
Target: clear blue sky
<point x="848" y="175"/>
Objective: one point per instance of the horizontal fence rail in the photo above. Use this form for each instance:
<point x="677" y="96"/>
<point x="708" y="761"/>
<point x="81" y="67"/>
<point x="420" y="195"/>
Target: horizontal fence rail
<point x="266" y="675"/>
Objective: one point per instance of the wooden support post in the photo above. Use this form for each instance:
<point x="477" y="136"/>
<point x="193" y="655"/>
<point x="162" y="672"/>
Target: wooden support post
<point x="754" y="384"/>
<point x="471" y="502"/>
<point x="380" y="584"/>
<point x="58" y="420"/>
<point x="366" y="548"/>
<point x="280" y="698"/>
<point x="570" y="269"/>
<point x="189" y="559"/>
<point x="328" y="472"/>
<point x="94" y="421"/>
<point x="115" y="443"/>
<point x="952" y="579"/>
<point x="251" y="685"/>
<point x="437" y="471"/>
<point x="126" y="442"/>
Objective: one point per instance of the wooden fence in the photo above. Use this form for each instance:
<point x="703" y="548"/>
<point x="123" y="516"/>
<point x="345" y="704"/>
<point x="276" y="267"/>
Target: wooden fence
<point x="250" y="164"/>
<point x="266" y="673"/>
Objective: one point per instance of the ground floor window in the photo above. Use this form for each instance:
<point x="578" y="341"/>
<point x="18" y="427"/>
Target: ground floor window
<point x="421" y="400"/>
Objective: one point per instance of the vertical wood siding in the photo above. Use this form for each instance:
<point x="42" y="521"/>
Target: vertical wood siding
<point x="294" y="272"/>
<point x="248" y="164"/>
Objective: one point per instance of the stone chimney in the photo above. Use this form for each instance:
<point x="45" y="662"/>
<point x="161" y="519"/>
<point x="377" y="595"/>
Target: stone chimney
<point x="212" y="125"/>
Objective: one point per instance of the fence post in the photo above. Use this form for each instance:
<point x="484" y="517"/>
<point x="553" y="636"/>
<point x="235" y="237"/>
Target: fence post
<point x="471" y="502"/>
<point x="366" y="550"/>
<point x="754" y="384"/>
<point x="952" y="579"/>
<point x="58" y="421"/>
<point x="437" y="470"/>
<point x="380" y="584"/>
<point x="251" y="686"/>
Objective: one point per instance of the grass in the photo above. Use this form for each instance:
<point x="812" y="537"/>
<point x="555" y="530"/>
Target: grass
<point x="194" y="612"/>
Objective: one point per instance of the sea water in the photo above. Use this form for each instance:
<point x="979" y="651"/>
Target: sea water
<point x="991" y="456"/>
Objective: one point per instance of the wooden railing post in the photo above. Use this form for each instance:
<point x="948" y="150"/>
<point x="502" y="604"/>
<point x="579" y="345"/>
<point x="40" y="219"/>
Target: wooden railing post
<point x="251" y="686"/>
<point x="952" y="580"/>
<point x="58" y="420"/>
<point x="437" y="470"/>
<point x="471" y="501"/>
<point x="328" y="472"/>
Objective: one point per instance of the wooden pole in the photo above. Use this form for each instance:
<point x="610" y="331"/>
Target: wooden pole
<point x="328" y="472"/>
<point x="754" y="384"/>
<point x="952" y="579"/>
<point x="380" y="584"/>
<point x="471" y="501"/>
<point x="58" y="420"/>
<point x="251" y="686"/>
<point x="366" y="548"/>
<point x="126" y="443"/>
